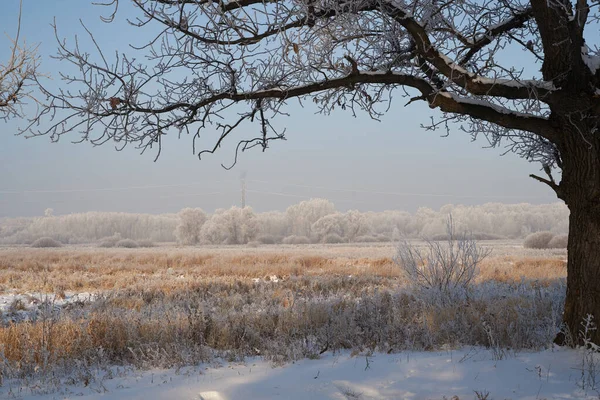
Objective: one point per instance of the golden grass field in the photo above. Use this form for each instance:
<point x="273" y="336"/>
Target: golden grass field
<point x="170" y="306"/>
<point x="89" y="269"/>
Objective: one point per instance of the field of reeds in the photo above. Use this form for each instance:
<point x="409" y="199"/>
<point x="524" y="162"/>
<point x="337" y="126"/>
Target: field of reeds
<point x="171" y="306"/>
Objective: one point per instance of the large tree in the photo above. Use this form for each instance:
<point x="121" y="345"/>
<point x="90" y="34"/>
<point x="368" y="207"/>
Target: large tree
<point x="517" y="72"/>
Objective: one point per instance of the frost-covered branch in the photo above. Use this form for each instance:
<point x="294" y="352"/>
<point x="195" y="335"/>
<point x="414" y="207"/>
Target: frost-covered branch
<point x="15" y="73"/>
<point x="214" y="67"/>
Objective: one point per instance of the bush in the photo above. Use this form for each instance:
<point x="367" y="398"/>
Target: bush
<point x="254" y="243"/>
<point x="558" y="242"/>
<point x="110" y="241"/>
<point x="128" y="244"/>
<point x="366" y="239"/>
<point x="296" y="240"/>
<point x="538" y="240"/>
<point x="267" y="239"/>
<point x="46" y="242"/>
<point x="145" y="243"/>
<point x="332" y="238"/>
<point x="474" y="236"/>
<point x="383" y="238"/>
<point x="443" y="267"/>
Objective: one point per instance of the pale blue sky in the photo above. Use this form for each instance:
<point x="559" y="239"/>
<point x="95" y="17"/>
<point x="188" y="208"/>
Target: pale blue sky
<point x="356" y="162"/>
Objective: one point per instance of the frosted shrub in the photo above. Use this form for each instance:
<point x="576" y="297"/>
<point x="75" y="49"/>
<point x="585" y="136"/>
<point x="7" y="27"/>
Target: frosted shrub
<point x="366" y="239"/>
<point x="296" y="240"/>
<point x="110" y="241"/>
<point x="333" y="238"/>
<point x="558" y="242"/>
<point x="128" y="244"/>
<point x="268" y="239"/>
<point x="46" y="242"/>
<point x="444" y="267"/>
<point x="538" y="240"/>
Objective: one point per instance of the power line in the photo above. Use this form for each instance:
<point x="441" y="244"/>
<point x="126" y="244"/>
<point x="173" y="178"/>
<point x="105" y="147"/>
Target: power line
<point x="301" y="196"/>
<point x="195" y="194"/>
<point x="397" y="193"/>
<point x="40" y="191"/>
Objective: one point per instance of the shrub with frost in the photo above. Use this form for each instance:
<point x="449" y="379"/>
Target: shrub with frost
<point x="110" y="241"/>
<point x="128" y="244"/>
<point x="444" y="267"/>
<point x="558" y="242"/>
<point x="332" y="238"/>
<point x="189" y="227"/>
<point x="366" y="239"/>
<point x="46" y="242"/>
<point x="268" y="239"/>
<point x="295" y="239"/>
<point x="538" y="240"/>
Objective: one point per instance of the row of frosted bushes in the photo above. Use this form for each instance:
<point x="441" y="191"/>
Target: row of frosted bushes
<point x="311" y="221"/>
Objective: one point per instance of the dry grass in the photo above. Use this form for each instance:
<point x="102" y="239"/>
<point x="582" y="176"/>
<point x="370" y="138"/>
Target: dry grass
<point x="90" y="269"/>
<point x="169" y="306"/>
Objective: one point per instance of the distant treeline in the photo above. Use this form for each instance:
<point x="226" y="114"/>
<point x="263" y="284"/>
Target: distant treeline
<point x="311" y="221"/>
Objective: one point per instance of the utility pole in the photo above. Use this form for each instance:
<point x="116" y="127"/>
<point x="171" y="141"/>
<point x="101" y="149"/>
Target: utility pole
<point x="243" y="192"/>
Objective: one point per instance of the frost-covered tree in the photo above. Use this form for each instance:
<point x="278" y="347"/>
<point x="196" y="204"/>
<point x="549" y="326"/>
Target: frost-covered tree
<point x="355" y="225"/>
<point x="332" y="224"/>
<point x="190" y="225"/>
<point x="521" y="73"/>
<point x="16" y="71"/>
<point x="272" y="223"/>
<point x="303" y="215"/>
<point x="348" y="225"/>
<point x="232" y="226"/>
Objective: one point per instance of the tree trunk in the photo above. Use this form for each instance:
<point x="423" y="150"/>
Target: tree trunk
<point x="580" y="189"/>
<point x="583" y="271"/>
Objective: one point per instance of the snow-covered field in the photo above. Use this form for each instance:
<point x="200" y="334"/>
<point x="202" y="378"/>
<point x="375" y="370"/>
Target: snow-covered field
<point x="100" y="323"/>
<point x="469" y="373"/>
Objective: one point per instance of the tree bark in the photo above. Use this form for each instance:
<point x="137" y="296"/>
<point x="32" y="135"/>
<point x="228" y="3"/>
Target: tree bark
<point x="583" y="271"/>
<point x="580" y="189"/>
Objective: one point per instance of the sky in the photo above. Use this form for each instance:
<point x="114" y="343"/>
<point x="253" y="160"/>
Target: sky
<point x="357" y="163"/>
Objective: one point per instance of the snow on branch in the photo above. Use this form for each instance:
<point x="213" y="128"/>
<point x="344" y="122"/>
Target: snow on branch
<point x="213" y="67"/>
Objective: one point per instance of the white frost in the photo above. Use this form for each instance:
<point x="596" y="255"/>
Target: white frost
<point x="551" y="374"/>
<point x="592" y="61"/>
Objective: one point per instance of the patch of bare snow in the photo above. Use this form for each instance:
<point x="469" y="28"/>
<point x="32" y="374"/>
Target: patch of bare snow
<point x="550" y="374"/>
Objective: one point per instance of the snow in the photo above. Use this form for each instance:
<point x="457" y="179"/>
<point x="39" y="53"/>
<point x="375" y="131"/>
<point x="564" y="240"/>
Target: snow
<point x="592" y="61"/>
<point x="527" y="83"/>
<point x="485" y="103"/>
<point x="18" y="307"/>
<point x="550" y="374"/>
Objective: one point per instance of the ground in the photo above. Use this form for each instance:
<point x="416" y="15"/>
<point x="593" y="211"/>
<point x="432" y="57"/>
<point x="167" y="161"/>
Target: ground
<point x="470" y="373"/>
<point x="307" y="321"/>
